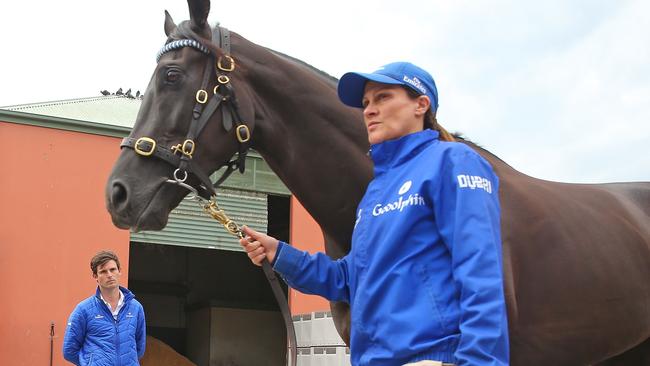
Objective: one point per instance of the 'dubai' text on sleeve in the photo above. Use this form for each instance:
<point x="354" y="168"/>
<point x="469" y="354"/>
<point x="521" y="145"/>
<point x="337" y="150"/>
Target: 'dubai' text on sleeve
<point x="468" y="216"/>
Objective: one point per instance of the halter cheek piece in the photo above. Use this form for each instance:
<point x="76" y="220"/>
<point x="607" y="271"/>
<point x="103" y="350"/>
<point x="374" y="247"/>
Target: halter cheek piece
<point x="223" y="95"/>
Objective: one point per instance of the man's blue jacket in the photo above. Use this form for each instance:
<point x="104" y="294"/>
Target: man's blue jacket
<point x="93" y="337"/>
<point x="424" y="274"/>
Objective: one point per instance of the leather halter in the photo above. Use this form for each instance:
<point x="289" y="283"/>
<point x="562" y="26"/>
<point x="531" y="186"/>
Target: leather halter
<point x="223" y="96"/>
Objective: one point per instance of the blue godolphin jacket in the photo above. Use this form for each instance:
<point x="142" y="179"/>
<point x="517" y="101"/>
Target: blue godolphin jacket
<point x="424" y="274"/>
<point x="93" y="337"/>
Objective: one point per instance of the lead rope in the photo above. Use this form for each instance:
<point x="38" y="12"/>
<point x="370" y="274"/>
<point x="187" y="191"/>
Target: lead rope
<point x="212" y="208"/>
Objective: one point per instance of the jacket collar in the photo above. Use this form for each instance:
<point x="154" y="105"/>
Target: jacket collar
<point x="391" y="153"/>
<point x="128" y="295"/>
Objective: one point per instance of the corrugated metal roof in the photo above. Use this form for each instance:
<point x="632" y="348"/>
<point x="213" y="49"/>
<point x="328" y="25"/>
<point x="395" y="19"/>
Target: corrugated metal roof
<point x="116" y="110"/>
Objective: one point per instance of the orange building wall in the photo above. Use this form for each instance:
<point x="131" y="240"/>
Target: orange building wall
<point x="305" y="234"/>
<point x="52" y="220"/>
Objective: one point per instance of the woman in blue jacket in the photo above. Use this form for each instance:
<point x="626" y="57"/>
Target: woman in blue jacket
<point x="424" y="275"/>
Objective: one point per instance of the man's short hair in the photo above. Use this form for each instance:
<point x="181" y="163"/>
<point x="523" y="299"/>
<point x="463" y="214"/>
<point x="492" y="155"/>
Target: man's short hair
<point x="101" y="258"/>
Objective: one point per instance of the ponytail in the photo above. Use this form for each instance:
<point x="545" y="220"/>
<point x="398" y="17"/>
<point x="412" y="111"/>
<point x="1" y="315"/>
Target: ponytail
<point x="431" y="122"/>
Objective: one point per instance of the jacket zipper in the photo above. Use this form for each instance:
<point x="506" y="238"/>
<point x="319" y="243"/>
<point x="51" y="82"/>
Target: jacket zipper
<point x="117" y="342"/>
<point x="117" y="331"/>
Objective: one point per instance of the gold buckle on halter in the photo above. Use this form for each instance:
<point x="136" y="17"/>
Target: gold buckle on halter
<point x="139" y="151"/>
<point x="230" y="60"/>
<point x="201" y="96"/>
<point x="214" y="91"/>
<point x="223" y="79"/>
<point x="247" y="133"/>
<point x="186" y="148"/>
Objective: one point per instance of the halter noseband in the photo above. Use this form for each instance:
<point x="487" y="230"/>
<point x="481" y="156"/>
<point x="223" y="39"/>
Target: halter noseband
<point x="180" y="155"/>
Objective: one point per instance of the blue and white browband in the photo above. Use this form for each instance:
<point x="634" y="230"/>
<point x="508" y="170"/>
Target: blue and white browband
<point x="180" y="44"/>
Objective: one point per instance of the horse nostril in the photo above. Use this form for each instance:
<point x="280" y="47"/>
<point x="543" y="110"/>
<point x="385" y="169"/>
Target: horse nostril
<point x="118" y="194"/>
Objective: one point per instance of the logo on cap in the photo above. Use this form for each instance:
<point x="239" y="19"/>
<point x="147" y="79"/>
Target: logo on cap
<point x="416" y="83"/>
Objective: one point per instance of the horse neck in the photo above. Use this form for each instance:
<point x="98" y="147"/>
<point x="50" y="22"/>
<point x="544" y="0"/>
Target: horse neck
<point x="315" y="144"/>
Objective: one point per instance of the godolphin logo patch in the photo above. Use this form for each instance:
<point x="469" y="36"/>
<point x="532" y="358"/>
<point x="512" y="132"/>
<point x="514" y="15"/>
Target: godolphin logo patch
<point x="401" y="203"/>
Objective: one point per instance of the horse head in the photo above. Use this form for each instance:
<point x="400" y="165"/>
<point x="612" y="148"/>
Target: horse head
<point x="191" y="122"/>
<point x="204" y="105"/>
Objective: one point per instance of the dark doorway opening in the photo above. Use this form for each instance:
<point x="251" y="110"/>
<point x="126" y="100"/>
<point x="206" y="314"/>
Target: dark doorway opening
<point x="202" y="302"/>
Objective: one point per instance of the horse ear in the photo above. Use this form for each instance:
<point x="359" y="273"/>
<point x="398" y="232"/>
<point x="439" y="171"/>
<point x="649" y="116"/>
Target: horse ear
<point x="169" y="24"/>
<point x="199" y="10"/>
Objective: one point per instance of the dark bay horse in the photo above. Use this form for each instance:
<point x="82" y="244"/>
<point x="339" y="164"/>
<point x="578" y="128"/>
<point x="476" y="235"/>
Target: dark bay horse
<point x="576" y="256"/>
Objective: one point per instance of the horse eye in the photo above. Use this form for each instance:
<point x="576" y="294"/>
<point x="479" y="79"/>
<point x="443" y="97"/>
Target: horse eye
<point x="172" y="76"/>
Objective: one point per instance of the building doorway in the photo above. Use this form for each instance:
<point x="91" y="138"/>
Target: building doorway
<point x="211" y="305"/>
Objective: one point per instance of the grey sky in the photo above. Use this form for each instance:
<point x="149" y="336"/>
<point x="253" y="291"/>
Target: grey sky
<point x="558" y="89"/>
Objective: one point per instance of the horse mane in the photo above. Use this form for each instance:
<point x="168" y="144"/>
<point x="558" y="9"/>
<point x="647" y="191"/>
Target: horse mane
<point x="327" y="77"/>
<point x="184" y="31"/>
<point x="463" y="139"/>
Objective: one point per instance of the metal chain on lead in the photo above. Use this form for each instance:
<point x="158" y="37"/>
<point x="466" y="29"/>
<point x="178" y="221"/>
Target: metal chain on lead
<point x="212" y="208"/>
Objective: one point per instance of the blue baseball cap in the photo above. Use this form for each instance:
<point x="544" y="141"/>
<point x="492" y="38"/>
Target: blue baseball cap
<point x="352" y="84"/>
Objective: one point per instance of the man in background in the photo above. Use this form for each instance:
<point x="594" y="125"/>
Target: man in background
<point x="108" y="328"/>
